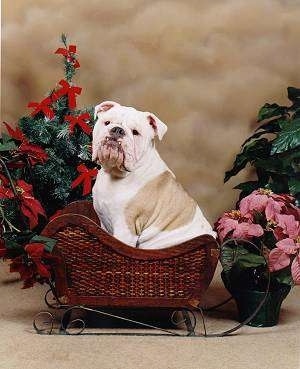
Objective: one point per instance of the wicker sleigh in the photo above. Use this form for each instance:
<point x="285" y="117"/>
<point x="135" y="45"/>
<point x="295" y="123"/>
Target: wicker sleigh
<point x="97" y="270"/>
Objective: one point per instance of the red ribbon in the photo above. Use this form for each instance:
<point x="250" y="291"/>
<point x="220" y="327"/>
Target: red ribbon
<point x="69" y="55"/>
<point x="43" y="106"/>
<point x="67" y="89"/>
<point x="86" y="176"/>
<point x="79" y="120"/>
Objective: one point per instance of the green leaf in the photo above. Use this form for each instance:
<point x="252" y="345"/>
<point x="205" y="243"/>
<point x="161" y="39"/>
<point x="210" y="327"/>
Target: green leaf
<point x="294" y="185"/>
<point x="293" y="94"/>
<point x="239" y="256"/>
<point x="247" y="187"/>
<point x="5" y="138"/>
<point x="240" y="162"/>
<point x="8" y="146"/>
<point x="291" y="160"/>
<point x="270" y="110"/>
<point x="64" y="39"/>
<point x="256" y="149"/>
<point x="272" y="126"/>
<point x="48" y="242"/>
<point x="284" y="276"/>
<point x="250" y="260"/>
<point x="12" y="245"/>
<point x="288" y="138"/>
<point x="229" y="254"/>
<point x="272" y="165"/>
<point x="6" y="143"/>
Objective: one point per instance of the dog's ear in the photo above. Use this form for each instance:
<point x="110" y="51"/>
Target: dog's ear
<point x="104" y="106"/>
<point x="158" y="126"/>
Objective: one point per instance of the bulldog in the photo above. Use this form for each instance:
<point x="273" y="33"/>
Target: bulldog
<point x="136" y="195"/>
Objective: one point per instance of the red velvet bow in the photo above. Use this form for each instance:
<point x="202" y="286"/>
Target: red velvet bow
<point x="86" y="176"/>
<point x="79" y="120"/>
<point x="43" y="106"/>
<point x="67" y="89"/>
<point x="69" y="55"/>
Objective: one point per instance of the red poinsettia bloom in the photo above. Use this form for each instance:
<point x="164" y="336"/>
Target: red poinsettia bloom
<point x="30" y="206"/>
<point x="6" y="193"/>
<point x="35" y="266"/>
<point x="27" y="272"/>
<point x="3" y="250"/>
<point x="3" y="180"/>
<point x="16" y="134"/>
<point x="35" y="153"/>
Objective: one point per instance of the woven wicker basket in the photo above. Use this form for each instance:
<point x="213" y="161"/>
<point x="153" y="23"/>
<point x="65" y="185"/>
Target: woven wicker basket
<point x="98" y="270"/>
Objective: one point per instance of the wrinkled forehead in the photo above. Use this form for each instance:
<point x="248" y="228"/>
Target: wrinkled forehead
<point x="124" y="115"/>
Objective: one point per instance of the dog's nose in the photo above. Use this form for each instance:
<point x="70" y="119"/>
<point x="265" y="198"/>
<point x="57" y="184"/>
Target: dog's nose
<point x="117" y="132"/>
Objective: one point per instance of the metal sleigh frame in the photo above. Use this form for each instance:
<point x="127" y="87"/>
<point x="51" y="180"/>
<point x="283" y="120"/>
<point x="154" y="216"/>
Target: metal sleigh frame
<point x="44" y="321"/>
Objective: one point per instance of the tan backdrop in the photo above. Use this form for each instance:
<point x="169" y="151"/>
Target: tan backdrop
<point x="204" y="67"/>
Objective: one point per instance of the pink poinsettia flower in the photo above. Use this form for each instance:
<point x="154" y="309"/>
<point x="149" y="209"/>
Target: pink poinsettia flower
<point x="278" y="260"/>
<point x="263" y="200"/>
<point x="295" y="269"/>
<point x="280" y="256"/>
<point x="292" y="209"/>
<point x="288" y="226"/>
<point x="288" y="245"/>
<point x="234" y="225"/>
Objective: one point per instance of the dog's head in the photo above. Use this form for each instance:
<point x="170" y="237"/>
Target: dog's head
<point x="122" y="135"/>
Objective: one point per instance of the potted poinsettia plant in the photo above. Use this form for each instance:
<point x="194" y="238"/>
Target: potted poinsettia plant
<point x="261" y="251"/>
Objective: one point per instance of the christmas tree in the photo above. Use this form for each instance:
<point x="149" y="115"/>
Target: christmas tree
<point x="45" y="164"/>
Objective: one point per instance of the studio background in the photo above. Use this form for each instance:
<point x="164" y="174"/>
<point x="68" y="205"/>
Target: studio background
<point x="204" y="67"/>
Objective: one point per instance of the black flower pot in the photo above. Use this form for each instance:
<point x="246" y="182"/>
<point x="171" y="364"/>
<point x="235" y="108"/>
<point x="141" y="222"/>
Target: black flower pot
<point x="247" y="302"/>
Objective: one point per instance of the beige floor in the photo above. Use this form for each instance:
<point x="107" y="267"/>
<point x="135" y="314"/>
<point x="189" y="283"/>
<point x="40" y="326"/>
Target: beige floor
<point x="276" y="347"/>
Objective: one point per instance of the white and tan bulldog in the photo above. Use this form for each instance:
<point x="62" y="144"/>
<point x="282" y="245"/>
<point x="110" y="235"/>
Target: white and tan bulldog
<point x="136" y="195"/>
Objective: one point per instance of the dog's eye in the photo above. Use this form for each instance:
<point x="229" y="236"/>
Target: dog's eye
<point x="107" y="122"/>
<point x="135" y="132"/>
